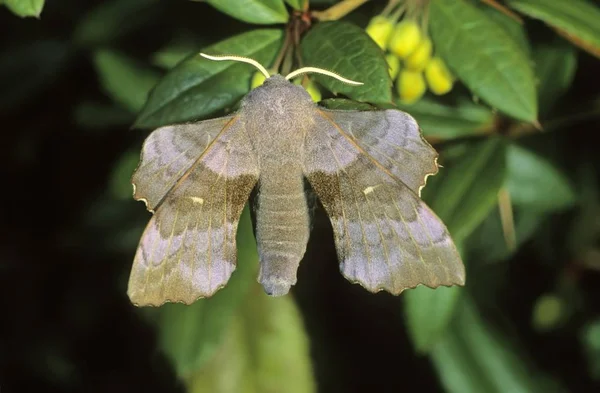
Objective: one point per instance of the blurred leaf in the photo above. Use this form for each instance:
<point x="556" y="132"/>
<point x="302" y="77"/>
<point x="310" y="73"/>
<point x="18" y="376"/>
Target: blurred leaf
<point x="449" y="121"/>
<point x="198" y="87"/>
<point x="24" y="8"/>
<point x="27" y="60"/>
<point x="576" y="20"/>
<point x="190" y="335"/>
<point x="265" y="350"/>
<point x="485" y="57"/>
<point x="348" y="51"/>
<point x="535" y="183"/>
<point x="296" y="4"/>
<point x="96" y="116"/>
<point x="262" y="12"/>
<point x="590" y="340"/>
<point x="487" y="244"/>
<point x="123" y="79"/>
<point x="472" y="358"/>
<point x="464" y="192"/>
<point x="514" y="29"/>
<point x="555" y="66"/>
<point x="428" y="313"/>
<point x="583" y="233"/>
<point x="112" y="19"/>
<point x="119" y="186"/>
<point x="172" y="55"/>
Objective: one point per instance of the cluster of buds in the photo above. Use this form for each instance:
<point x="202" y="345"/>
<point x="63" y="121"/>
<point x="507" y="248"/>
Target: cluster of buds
<point x="410" y="58"/>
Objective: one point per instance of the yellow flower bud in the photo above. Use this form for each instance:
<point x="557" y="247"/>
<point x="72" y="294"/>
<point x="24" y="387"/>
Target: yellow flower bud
<point x="313" y="91"/>
<point x="405" y="38"/>
<point x="410" y="85"/>
<point x="393" y="65"/>
<point x="257" y="79"/>
<point x="420" y="57"/>
<point x="380" y="29"/>
<point x="438" y="77"/>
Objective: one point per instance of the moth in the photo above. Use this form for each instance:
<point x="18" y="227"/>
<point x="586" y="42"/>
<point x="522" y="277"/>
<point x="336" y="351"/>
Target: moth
<point x="366" y="167"/>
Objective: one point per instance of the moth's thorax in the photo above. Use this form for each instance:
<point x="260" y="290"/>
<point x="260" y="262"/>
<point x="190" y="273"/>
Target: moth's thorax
<point x="277" y="115"/>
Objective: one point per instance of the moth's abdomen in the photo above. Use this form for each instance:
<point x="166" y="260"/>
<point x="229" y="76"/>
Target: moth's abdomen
<point x="282" y="230"/>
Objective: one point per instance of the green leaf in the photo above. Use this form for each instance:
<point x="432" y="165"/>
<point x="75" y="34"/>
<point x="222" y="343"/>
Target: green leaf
<point x="485" y="57"/>
<point x="126" y="81"/>
<point x="487" y="242"/>
<point x="190" y="335"/>
<point x="261" y="12"/>
<point x="119" y="186"/>
<point x="25" y="8"/>
<point x="199" y="87"/>
<point x="26" y="59"/>
<point x="590" y="338"/>
<point x="296" y="4"/>
<point x="347" y="50"/>
<point x="576" y="20"/>
<point x="265" y="350"/>
<point x="448" y="121"/>
<point x="473" y="358"/>
<point x="97" y="116"/>
<point x="535" y="183"/>
<point x="514" y="29"/>
<point x="466" y="189"/>
<point x="428" y="313"/>
<point x="555" y="66"/>
<point x="113" y="19"/>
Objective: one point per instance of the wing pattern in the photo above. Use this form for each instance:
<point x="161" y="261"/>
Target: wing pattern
<point x="188" y="249"/>
<point x="393" y="139"/>
<point x="386" y="237"/>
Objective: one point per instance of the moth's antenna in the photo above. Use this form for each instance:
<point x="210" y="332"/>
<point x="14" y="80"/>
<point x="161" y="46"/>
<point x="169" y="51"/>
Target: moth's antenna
<point x="305" y="70"/>
<point x="241" y="59"/>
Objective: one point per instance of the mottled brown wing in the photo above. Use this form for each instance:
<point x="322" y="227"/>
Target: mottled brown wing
<point x="188" y="249"/>
<point x="386" y="237"/>
<point x="393" y="139"/>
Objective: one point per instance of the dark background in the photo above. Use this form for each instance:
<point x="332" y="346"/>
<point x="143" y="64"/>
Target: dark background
<point x="66" y="324"/>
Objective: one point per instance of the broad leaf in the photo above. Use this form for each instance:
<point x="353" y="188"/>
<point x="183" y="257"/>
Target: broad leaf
<point x="262" y="12"/>
<point x="190" y="335"/>
<point x="428" y="313"/>
<point x="113" y="19"/>
<point x="448" y="121"/>
<point x="555" y="66"/>
<point x="25" y="8"/>
<point x="576" y="20"/>
<point x="265" y="350"/>
<point x="126" y="81"/>
<point x="473" y="358"/>
<point x="198" y="87"/>
<point x="466" y="189"/>
<point x="485" y="57"/>
<point x="296" y="4"/>
<point x="514" y="29"/>
<point x="100" y="116"/>
<point x="347" y="50"/>
<point x="533" y="182"/>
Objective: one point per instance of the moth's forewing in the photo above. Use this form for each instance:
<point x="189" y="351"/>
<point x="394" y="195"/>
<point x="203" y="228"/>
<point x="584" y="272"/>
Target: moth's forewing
<point x="368" y="181"/>
<point x="197" y="178"/>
